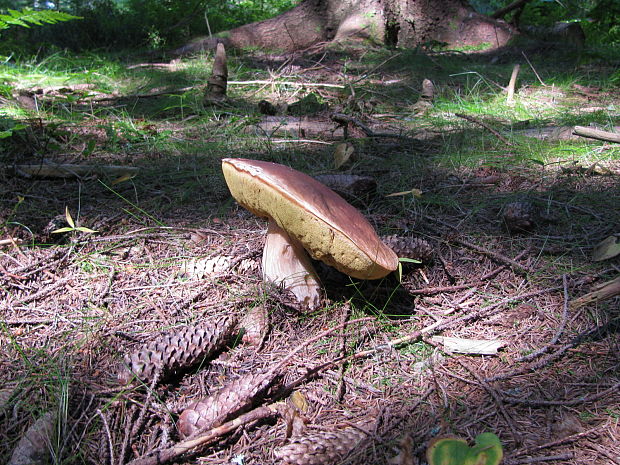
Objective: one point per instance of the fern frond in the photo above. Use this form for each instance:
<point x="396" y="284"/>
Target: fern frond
<point x="27" y="17"/>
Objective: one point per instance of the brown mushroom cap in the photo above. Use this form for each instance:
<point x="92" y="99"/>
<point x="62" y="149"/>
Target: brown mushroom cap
<point x="328" y="227"/>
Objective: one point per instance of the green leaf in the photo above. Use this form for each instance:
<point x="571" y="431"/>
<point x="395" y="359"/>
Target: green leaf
<point x="408" y="260"/>
<point x="455" y="451"/>
<point x="37" y="18"/>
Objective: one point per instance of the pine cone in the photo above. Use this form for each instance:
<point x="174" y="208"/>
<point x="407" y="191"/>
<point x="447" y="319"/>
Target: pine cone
<point x="233" y="399"/>
<point x="520" y="216"/>
<point x="324" y="447"/>
<point x="177" y="350"/>
<point x="410" y="247"/>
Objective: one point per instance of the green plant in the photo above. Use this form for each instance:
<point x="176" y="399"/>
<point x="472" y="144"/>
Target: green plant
<point x="9" y="126"/>
<point x="27" y="17"/>
<point x="72" y="227"/>
<point x="455" y="451"/>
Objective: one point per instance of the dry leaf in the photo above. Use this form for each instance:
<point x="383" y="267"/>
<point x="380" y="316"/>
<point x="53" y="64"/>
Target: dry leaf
<point x="607" y="248"/>
<point x="34" y="446"/>
<point x="342" y="153"/>
<point x="405" y="456"/>
<point x="7" y="396"/>
<point x="299" y="401"/>
<point x="255" y="324"/>
<point x="416" y="193"/>
<point x="295" y="423"/>
<point x="123" y="178"/>
<point x="469" y="346"/>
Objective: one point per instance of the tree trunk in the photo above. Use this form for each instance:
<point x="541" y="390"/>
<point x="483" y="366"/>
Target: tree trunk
<point x="403" y="23"/>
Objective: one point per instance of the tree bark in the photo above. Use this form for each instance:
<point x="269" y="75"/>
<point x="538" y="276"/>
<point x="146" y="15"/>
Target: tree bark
<point x="402" y="23"/>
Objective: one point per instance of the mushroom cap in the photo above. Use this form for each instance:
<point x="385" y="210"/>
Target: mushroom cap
<point x="328" y="227"/>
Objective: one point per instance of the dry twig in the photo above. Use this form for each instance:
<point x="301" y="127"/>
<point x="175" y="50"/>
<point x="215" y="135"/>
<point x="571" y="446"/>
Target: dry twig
<point x="485" y="126"/>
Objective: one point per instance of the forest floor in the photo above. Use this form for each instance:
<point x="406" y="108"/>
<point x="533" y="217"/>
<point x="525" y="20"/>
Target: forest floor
<point x="166" y="247"/>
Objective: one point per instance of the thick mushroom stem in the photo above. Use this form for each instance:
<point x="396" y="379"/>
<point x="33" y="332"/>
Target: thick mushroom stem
<point x="286" y="262"/>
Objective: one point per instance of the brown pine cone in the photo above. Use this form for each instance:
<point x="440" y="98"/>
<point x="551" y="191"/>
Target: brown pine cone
<point x="324" y="447"/>
<point x="410" y="247"/>
<point x="177" y="350"/>
<point x="233" y="399"/>
<point x="520" y="216"/>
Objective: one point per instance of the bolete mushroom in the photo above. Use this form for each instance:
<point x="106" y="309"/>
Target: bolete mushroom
<point x="306" y="215"/>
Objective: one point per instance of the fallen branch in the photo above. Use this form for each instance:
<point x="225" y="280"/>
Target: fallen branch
<point x="11" y="241"/>
<point x="564" y="403"/>
<point x="204" y="438"/>
<point x="485" y="126"/>
<point x="53" y="170"/>
<point x="469" y="285"/>
<point x="181" y="90"/>
<point x="344" y="120"/>
<point x="494" y="255"/>
<point x="166" y="455"/>
<point x="415" y="336"/>
<point x="440" y="289"/>
<point x="597" y="134"/>
<point x="567" y="439"/>
<point x="604" y="291"/>
<point x="507" y="9"/>
<point x="533" y="69"/>
<point x="298" y="141"/>
<point x="598" y="331"/>
<point x="545" y="458"/>
<point x="286" y="83"/>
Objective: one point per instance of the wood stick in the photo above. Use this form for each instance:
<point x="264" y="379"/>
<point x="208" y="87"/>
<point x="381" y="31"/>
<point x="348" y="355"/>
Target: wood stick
<point x="604" y="291"/>
<point x="564" y="403"/>
<point x="485" y="126"/>
<point x="53" y="170"/>
<point x="343" y="120"/>
<point x="494" y="255"/>
<point x="171" y="453"/>
<point x="11" y="241"/>
<point x="286" y="83"/>
<point x="557" y="442"/>
<point x="597" y="134"/>
<point x="511" y="85"/>
<point x="533" y="69"/>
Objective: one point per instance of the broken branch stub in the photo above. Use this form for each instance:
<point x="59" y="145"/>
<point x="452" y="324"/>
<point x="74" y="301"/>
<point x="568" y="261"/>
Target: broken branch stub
<point x="218" y="82"/>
